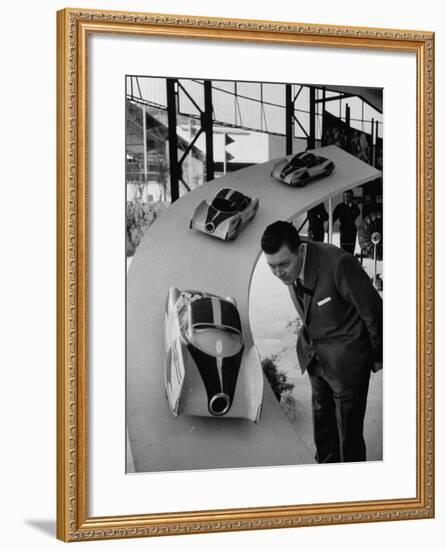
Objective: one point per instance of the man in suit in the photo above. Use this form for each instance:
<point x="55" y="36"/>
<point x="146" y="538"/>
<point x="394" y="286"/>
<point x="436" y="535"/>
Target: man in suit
<point x="347" y="212"/>
<point x="340" y="341"/>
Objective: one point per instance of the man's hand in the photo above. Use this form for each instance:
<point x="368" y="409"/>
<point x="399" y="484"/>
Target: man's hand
<point x="377" y="366"/>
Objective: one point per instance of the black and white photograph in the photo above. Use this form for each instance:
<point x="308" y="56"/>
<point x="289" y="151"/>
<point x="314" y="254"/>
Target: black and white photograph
<point x="206" y="332"/>
<point x="255" y="277"/>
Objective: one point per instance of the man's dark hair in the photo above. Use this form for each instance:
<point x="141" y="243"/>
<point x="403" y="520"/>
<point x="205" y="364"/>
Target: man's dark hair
<point x="277" y="234"/>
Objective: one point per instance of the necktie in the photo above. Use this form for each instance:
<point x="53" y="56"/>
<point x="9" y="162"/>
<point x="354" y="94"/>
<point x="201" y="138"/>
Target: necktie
<point x="300" y="293"/>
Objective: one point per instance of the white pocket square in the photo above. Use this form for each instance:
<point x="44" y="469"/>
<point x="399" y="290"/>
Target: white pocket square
<point x="324" y="301"/>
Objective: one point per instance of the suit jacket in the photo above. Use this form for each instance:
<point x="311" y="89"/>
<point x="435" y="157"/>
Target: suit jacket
<point x="341" y="315"/>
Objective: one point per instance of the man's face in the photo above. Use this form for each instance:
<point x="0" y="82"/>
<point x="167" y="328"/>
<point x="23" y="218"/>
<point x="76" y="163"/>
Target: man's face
<point x="348" y="195"/>
<point x="285" y="264"/>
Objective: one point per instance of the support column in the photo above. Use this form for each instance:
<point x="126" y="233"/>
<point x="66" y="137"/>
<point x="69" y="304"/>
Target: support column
<point x="324" y="104"/>
<point x="312" y="137"/>
<point x="206" y="122"/>
<point x="376" y="138"/>
<point x="349" y="130"/>
<point x="173" y="139"/>
<point x="289" y="108"/>
<point x="330" y="220"/>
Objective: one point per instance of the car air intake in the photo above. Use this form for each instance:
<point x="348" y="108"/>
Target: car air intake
<point x="219" y="404"/>
<point x="210" y="227"/>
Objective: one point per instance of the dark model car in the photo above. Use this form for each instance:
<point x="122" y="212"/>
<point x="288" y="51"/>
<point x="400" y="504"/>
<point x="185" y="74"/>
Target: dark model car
<point x="298" y="170"/>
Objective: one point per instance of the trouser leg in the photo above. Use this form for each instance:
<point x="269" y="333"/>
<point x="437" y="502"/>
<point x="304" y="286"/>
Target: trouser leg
<point x="348" y="241"/>
<point x="338" y="418"/>
<point x="350" y="411"/>
<point x="325" y="430"/>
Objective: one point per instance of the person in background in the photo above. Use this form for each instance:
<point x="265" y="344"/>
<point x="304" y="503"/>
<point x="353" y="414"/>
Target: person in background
<point x="317" y="216"/>
<point x="347" y="212"/>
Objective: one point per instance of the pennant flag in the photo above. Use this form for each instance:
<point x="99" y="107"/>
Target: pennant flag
<point x="228" y="139"/>
<point x="228" y="156"/>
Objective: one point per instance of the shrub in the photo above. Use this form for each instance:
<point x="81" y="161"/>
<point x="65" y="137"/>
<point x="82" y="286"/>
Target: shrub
<point x="277" y="379"/>
<point x="139" y="217"/>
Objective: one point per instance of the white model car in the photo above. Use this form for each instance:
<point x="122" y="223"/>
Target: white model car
<point x="226" y="215"/>
<point x="208" y="371"/>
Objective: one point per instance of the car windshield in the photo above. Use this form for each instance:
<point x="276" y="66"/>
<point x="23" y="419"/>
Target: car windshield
<point x="216" y="341"/>
<point x="224" y="205"/>
<point x="297" y="162"/>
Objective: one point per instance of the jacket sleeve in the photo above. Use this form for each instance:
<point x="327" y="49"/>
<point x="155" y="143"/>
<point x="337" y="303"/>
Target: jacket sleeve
<point x="324" y="214"/>
<point x="354" y="285"/>
<point x="312" y="216"/>
<point x="336" y="213"/>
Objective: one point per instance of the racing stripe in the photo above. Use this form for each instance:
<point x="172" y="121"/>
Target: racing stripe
<point x="230" y="316"/>
<point x="216" y="310"/>
<point x="217" y="217"/>
<point x="222" y="194"/>
<point x="217" y="319"/>
<point x="220" y="370"/>
<point x="201" y="311"/>
<point x="209" y="372"/>
<point x="230" y="195"/>
<point x="236" y="197"/>
<point x="230" y="370"/>
<point x="207" y="367"/>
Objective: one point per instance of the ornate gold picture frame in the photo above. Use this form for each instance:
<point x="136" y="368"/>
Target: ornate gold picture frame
<point x="75" y="29"/>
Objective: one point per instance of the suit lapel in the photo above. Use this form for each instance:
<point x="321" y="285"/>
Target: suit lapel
<point x="310" y="278"/>
<point x="310" y="275"/>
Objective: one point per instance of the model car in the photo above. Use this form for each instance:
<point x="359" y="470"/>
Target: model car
<point x="298" y="170"/>
<point x="226" y="215"/>
<point x="208" y="370"/>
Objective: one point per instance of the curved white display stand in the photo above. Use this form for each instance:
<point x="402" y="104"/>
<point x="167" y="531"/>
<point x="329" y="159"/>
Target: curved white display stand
<point x="173" y="255"/>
